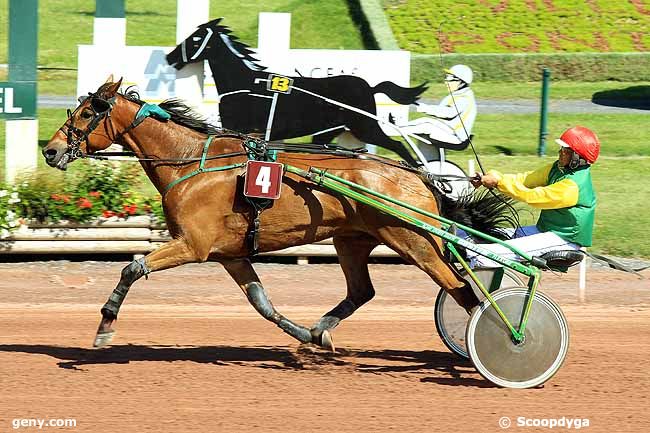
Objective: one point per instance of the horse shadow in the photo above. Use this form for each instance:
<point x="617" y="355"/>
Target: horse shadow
<point x="637" y="97"/>
<point x="457" y="371"/>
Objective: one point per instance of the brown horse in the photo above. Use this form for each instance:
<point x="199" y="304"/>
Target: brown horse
<point x="208" y="219"/>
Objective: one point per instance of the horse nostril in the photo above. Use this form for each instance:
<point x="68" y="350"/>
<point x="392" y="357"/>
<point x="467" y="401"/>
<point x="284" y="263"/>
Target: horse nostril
<point x="50" y="153"/>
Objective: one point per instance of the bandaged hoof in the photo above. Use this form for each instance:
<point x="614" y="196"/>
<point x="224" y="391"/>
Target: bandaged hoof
<point x="103" y="338"/>
<point x="326" y="341"/>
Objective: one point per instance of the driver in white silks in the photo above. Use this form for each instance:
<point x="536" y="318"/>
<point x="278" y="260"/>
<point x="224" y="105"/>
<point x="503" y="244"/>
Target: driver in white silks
<point x="452" y="119"/>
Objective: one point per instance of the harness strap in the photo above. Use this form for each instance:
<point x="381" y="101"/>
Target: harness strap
<point x="202" y="168"/>
<point x="254" y="233"/>
<point x="206" y="147"/>
<point x="253" y="236"/>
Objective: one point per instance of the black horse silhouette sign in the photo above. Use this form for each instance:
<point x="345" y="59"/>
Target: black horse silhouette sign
<point x="300" y="106"/>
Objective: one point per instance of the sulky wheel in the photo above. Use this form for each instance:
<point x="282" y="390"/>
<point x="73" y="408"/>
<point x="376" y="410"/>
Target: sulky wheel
<point x="451" y="319"/>
<point x="529" y="363"/>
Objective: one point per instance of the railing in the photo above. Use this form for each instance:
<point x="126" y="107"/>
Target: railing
<point x="136" y="235"/>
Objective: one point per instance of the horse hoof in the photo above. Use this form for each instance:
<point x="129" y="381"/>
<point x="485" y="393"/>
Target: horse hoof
<point x="103" y="338"/>
<point x="326" y="341"/>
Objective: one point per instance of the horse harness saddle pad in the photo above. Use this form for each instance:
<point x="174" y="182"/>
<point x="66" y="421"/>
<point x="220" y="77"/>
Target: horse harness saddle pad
<point x="262" y="185"/>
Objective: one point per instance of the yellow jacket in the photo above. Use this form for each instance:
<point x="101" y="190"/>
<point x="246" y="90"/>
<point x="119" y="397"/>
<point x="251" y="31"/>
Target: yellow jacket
<point x="532" y="187"/>
<point x="566" y="198"/>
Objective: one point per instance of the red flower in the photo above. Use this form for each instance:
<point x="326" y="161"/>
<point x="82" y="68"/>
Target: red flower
<point x="65" y="198"/>
<point x="55" y="197"/>
<point x="95" y="194"/>
<point x="108" y="213"/>
<point x="130" y="209"/>
<point x="83" y="203"/>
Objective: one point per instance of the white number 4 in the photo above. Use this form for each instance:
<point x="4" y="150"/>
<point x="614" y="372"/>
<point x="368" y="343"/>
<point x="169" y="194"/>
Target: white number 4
<point x="264" y="179"/>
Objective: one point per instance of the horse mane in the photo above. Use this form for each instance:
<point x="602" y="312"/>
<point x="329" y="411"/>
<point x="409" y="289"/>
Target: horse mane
<point x="237" y="47"/>
<point x="180" y="113"/>
<point x="184" y="115"/>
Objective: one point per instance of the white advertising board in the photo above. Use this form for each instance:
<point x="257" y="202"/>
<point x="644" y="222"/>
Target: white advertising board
<point x="146" y="68"/>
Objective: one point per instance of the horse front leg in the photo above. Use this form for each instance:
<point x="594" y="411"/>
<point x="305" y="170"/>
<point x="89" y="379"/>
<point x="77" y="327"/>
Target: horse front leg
<point x="174" y="253"/>
<point x="241" y="270"/>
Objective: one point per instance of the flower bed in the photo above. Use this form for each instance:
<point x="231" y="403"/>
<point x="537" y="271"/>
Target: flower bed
<point x="93" y="192"/>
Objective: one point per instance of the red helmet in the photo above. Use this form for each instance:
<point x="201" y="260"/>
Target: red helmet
<point x="582" y="141"/>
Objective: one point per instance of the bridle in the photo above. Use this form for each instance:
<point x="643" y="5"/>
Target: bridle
<point x="75" y="136"/>
<point x="101" y="108"/>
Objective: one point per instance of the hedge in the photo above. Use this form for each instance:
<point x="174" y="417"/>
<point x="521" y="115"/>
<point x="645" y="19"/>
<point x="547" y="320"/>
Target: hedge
<point x="528" y="67"/>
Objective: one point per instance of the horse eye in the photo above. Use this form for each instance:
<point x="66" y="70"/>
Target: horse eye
<point x="86" y="114"/>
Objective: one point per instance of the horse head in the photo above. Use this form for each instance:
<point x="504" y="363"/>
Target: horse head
<point x="88" y="128"/>
<point x="211" y="41"/>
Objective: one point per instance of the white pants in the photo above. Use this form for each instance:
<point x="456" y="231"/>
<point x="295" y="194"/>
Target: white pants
<point x="434" y="128"/>
<point x="527" y="239"/>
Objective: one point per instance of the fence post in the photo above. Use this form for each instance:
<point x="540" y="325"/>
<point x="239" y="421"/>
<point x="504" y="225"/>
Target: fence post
<point x="109" y="26"/>
<point x="18" y="94"/>
<point x="582" y="279"/>
<point x="543" y="132"/>
<point x="189" y="80"/>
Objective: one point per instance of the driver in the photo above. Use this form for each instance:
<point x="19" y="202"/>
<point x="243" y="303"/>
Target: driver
<point x="563" y="191"/>
<point x="452" y="120"/>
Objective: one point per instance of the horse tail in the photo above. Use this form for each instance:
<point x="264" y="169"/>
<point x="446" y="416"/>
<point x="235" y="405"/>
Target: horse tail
<point x="487" y="211"/>
<point x="399" y="94"/>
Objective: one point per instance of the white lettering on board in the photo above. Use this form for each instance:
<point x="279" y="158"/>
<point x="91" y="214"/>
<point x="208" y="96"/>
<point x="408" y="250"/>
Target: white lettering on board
<point x="7" y="103"/>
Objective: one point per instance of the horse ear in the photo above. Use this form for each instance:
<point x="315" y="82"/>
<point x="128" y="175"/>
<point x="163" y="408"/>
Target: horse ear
<point x="213" y="22"/>
<point x="113" y="88"/>
<point x="110" y="79"/>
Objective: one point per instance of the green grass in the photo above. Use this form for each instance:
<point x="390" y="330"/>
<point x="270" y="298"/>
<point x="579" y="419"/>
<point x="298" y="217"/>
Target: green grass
<point x="64" y="24"/>
<point x="520" y="26"/>
<point x="621" y="135"/>
<point x="518" y="134"/>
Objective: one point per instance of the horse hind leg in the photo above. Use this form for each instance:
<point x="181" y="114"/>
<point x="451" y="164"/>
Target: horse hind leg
<point x="242" y="272"/>
<point x="422" y="250"/>
<point x="353" y="253"/>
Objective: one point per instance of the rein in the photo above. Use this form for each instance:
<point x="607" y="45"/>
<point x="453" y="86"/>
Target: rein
<point x="254" y="148"/>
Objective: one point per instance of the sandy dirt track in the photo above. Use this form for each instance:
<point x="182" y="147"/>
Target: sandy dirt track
<point x="192" y="356"/>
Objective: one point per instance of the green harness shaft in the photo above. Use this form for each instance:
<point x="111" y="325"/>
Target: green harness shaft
<point x="358" y="193"/>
